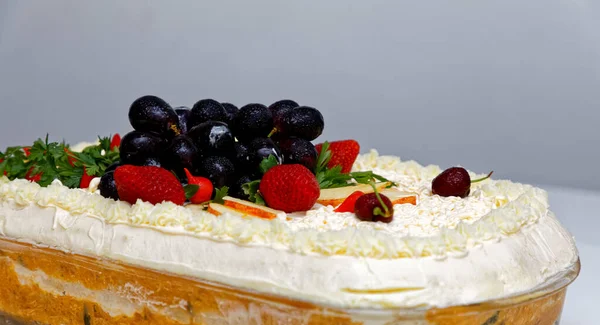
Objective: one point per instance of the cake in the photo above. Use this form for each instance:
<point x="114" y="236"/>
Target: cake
<point x="400" y="243"/>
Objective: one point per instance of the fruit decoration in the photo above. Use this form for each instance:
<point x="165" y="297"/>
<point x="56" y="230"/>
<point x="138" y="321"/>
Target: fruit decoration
<point x="206" y="110"/>
<point x="343" y="153"/>
<point x="454" y="181"/>
<point x="349" y="203"/>
<point x="201" y="187"/>
<point x="290" y="188"/>
<point x="256" y="154"/>
<point x="148" y="183"/>
<point x="153" y="114"/>
<point x="374" y="207"/>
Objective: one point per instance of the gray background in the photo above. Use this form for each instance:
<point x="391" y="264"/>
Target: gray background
<point x="509" y="85"/>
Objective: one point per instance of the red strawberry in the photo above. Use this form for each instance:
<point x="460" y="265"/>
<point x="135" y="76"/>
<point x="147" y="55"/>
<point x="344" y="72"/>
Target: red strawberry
<point x="27" y="151"/>
<point x="343" y="153"/>
<point x="349" y="202"/>
<point x="290" y="188"/>
<point x="115" y="142"/>
<point x="149" y="183"/>
<point x="205" y="188"/>
<point x="85" y="179"/>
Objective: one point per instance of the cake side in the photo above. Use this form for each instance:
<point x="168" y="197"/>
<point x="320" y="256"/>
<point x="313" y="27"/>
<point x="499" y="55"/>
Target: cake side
<point x="444" y="251"/>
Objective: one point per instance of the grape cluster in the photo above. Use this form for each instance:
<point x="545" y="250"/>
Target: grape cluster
<point x="217" y="140"/>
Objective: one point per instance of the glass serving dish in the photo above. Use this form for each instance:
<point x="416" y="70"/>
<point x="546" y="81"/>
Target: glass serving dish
<point x="47" y="286"/>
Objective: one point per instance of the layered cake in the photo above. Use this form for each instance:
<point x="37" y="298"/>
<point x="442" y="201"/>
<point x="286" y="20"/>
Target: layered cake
<point x="219" y="215"/>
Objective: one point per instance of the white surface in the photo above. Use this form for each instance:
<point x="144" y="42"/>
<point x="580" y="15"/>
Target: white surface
<point x="476" y="83"/>
<point x="579" y="211"/>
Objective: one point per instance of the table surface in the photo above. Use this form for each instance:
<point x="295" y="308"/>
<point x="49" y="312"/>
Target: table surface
<point x="578" y="211"/>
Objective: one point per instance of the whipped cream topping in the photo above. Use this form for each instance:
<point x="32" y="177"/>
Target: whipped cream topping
<point x="500" y="240"/>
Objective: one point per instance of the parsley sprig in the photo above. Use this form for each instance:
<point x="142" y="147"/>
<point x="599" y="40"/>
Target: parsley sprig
<point x="46" y="161"/>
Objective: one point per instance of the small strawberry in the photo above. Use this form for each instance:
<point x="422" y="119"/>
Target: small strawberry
<point x="115" y="142"/>
<point x="349" y="202"/>
<point x="205" y="188"/>
<point x="148" y="183"/>
<point x="85" y="179"/>
<point x="343" y="153"/>
<point x="27" y="151"/>
<point x="290" y="188"/>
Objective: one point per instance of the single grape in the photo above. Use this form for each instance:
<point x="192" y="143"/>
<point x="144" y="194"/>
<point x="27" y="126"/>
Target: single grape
<point x="242" y="156"/>
<point x="153" y="114"/>
<point x="253" y="120"/>
<point x="261" y="148"/>
<point x="206" y="110"/>
<point x="183" y="113"/>
<point x="181" y="153"/>
<point x="277" y="108"/>
<point x="298" y="151"/>
<point x="219" y="170"/>
<point x="231" y="112"/>
<point x="213" y="138"/>
<point x="137" y="147"/>
<point x="303" y="122"/>
<point x="108" y="186"/>
<point x="152" y="161"/>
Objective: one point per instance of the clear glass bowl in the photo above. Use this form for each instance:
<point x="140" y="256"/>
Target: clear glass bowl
<point x="46" y="286"/>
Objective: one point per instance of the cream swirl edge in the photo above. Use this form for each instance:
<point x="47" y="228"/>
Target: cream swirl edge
<point x="528" y="205"/>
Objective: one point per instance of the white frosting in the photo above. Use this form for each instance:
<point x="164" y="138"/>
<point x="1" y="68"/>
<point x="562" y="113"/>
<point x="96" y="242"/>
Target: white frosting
<point x="500" y="241"/>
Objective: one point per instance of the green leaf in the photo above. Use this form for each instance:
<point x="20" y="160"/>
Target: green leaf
<point x="190" y="190"/>
<point x="252" y="190"/>
<point x="220" y="193"/>
<point x="268" y="163"/>
<point x="323" y="158"/>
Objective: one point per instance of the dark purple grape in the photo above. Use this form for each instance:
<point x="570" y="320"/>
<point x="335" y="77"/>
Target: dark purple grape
<point x="278" y="108"/>
<point x="152" y="161"/>
<point x="112" y="167"/>
<point x="206" y="110"/>
<point x="181" y="153"/>
<point x="183" y="113"/>
<point x="252" y="121"/>
<point x="298" y="151"/>
<point x="152" y="114"/>
<point x="261" y="148"/>
<point x="108" y="186"/>
<point x="137" y="147"/>
<point x="219" y="170"/>
<point x="302" y="122"/>
<point x="236" y="189"/>
<point x="231" y="112"/>
<point x="242" y="156"/>
<point x="212" y="138"/>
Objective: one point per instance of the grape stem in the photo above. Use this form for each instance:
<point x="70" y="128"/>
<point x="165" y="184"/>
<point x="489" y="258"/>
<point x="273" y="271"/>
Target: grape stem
<point x="483" y="178"/>
<point x="272" y="132"/>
